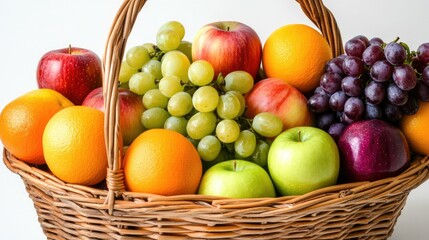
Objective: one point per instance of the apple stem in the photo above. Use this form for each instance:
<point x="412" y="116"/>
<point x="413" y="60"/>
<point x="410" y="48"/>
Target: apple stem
<point x="299" y="135"/>
<point x="234" y="165"/>
<point x="227" y="28"/>
<point x="70" y="50"/>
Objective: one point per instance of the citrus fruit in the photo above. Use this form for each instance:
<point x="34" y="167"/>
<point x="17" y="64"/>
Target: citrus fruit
<point x="297" y="54"/>
<point x="73" y="144"/>
<point x="164" y="162"/>
<point x="415" y="128"/>
<point x="23" y="120"/>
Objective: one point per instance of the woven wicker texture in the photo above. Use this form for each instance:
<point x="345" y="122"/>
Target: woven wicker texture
<point x="364" y="210"/>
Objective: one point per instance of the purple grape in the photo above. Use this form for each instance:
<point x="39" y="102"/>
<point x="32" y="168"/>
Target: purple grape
<point x="318" y="103"/>
<point x="354" y="108"/>
<point x="375" y="92"/>
<point x="337" y="101"/>
<point x="324" y="120"/>
<point x="381" y="71"/>
<point x="354" y="47"/>
<point x="417" y="64"/>
<point x="372" y="54"/>
<point x="336" y="129"/>
<point x="345" y="119"/>
<point x="363" y="39"/>
<point x="395" y="95"/>
<point x="352" y="86"/>
<point x="423" y="91"/>
<point x="319" y="90"/>
<point x="405" y="77"/>
<point x="395" y="53"/>
<point x="425" y="75"/>
<point x="353" y="66"/>
<point x="411" y="107"/>
<point x="335" y="65"/>
<point x="376" y="41"/>
<point x="392" y="112"/>
<point x="373" y="111"/>
<point x="423" y="53"/>
<point x="330" y="82"/>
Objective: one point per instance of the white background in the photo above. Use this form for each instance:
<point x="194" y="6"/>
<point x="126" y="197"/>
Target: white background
<point x="31" y="28"/>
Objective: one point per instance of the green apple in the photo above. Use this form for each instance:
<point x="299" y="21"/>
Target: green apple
<point x="303" y="159"/>
<point x="237" y="179"/>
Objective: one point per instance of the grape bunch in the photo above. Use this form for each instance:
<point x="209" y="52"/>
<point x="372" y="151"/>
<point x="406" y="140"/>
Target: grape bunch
<point x="372" y="80"/>
<point x="184" y="96"/>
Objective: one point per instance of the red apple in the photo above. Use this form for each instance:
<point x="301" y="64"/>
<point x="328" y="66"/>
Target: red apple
<point x="278" y="97"/>
<point x="228" y="46"/>
<point x="131" y="109"/>
<point x="371" y="150"/>
<point x="73" y="72"/>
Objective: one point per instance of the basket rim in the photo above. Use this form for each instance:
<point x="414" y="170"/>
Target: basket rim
<point x="416" y="174"/>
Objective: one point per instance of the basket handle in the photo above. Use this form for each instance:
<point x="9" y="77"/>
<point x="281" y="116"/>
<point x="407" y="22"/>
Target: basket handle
<point x="113" y="55"/>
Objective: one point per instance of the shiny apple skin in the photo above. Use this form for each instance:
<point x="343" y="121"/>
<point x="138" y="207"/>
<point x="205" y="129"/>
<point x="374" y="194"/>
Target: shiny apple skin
<point x="278" y="97"/>
<point x="73" y="72"/>
<point x="228" y="46"/>
<point x="371" y="150"/>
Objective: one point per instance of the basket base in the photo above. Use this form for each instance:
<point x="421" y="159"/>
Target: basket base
<point x="367" y="210"/>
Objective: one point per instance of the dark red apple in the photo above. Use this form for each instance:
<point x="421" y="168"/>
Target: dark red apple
<point x="228" y="46"/>
<point x="278" y="97"/>
<point x="131" y="109"/>
<point x="372" y="150"/>
<point x="73" y="72"/>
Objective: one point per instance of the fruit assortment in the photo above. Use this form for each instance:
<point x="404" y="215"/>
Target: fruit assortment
<point x="203" y="117"/>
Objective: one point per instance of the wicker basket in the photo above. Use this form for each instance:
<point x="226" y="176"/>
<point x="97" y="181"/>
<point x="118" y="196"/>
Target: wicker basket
<point x="363" y="210"/>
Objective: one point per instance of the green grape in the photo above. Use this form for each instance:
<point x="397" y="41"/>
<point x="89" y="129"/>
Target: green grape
<point x="209" y="148"/>
<point x="205" y="99"/>
<point x="180" y="104"/>
<point x="175" y="26"/>
<point x="137" y="56"/>
<point x="126" y="72"/>
<point x="241" y="99"/>
<point x="229" y="106"/>
<point x="260" y="155"/>
<point x="150" y="47"/>
<point x="245" y="144"/>
<point x="227" y="131"/>
<point x="267" y="124"/>
<point x="186" y="48"/>
<point x="154" y="117"/>
<point x="153" y="67"/>
<point x="201" y="73"/>
<point x="201" y="124"/>
<point x="177" y="124"/>
<point x="239" y="80"/>
<point x="167" y="40"/>
<point x="175" y="63"/>
<point x="154" y="98"/>
<point x="170" y="85"/>
<point x="141" y="82"/>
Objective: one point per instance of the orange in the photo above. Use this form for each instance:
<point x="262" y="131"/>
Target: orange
<point x="297" y="54"/>
<point x="416" y="128"/>
<point x="23" y="120"/>
<point x="163" y="162"/>
<point x="73" y="144"/>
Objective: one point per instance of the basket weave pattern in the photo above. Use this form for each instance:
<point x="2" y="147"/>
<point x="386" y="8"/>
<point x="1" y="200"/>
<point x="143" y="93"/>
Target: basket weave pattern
<point x="364" y="210"/>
